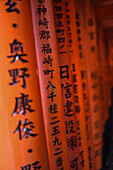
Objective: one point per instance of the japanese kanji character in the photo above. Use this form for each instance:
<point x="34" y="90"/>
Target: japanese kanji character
<point x="36" y="166"/>
<point x="60" y="31"/>
<point x="46" y="48"/>
<point x="78" y="24"/>
<point x="44" y="34"/>
<point x="78" y="31"/>
<point x="72" y="142"/>
<point x="56" y="121"/>
<point x="79" y="38"/>
<point x="43" y="22"/>
<point x="58" y="8"/>
<point x="77" y="16"/>
<point x="84" y="85"/>
<point x="56" y="142"/>
<point x="95" y="97"/>
<point x="79" y="143"/>
<point x="17" y="52"/>
<point x="94" y="75"/>
<point x="84" y="96"/>
<point x="59" y="161"/>
<point x="46" y="72"/>
<point x="67" y="10"/>
<point x="14" y="73"/>
<point x="74" y="78"/>
<point x="51" y="95"/>
<point x="70" y="35"/>
<point x="64" y="72"/>
<point x="80" y="47"/>
<point x="55" y="130"/>
<point x="22" y="105"/>
<point x="96" y="108"/>
<point x="70" y="41"/>
<point x="58" y="152"/>
<point x="69" y="29"/>
<point x="90" y="163"/>
<point x="41" y="10"/>
<point x="76" y="99"/>
<point x="68" y="109"/>
<point x="11" y="6"/>
<point x="79" y="139"/>
<point x="48" y="60"/>
<point x="50" y="84"/>
<point x="66" y="3"/>
<point x="81" y="55"/>
<point x="81" y="156"/>
<point x="93" y="49"/>
<point x="75" y="87"/>
<point x="74" y="164"/>
<point x="77" y="108"/>
<point x="73" y="67"/>
<point x="68" y="17"/>
<point x="90" y="22"/>
<point x="62" y="52"/>
<point x="61" y="40"/>
<point x="83" y="74"/>
<point x="59" y="24"/>
<point x="53" y="109"/>
<point x="59" y="15"/>
<point x="67" y="88"/>
<point x="69" y="127"/>
<point x="95" y="85"/>
<point x="91" y="34"/>
<point x="27" y="129"/>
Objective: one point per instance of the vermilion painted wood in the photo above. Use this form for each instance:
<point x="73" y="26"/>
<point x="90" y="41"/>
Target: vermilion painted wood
<point x="14" y="151"/>
<point x="61" y="160"/>
<point x="65" y="60"/>
<point x="76" y="48"/>
<point x="104" y="77"/>
<point x="90" y="44"/>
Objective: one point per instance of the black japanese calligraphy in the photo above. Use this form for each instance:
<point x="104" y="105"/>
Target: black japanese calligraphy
<point x="22" y="105"/>
<point x="34" y="165"/>
<point x="26" y="129"/>
<point x="68" y="108"/>
<point x="53" y="109"/>
<point x="14" y="73"/>
<point x="46" y="49"/>
<point x="72" y="142"/>
<point x="74" y="164"/>
<point x="64" y="72"/>
<point x="12" y="6"/>
<point x="17" y="52"/>
<point x="41" y="10"/>
<point x="48" y="60"/>
<point x="59" y="162"/>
